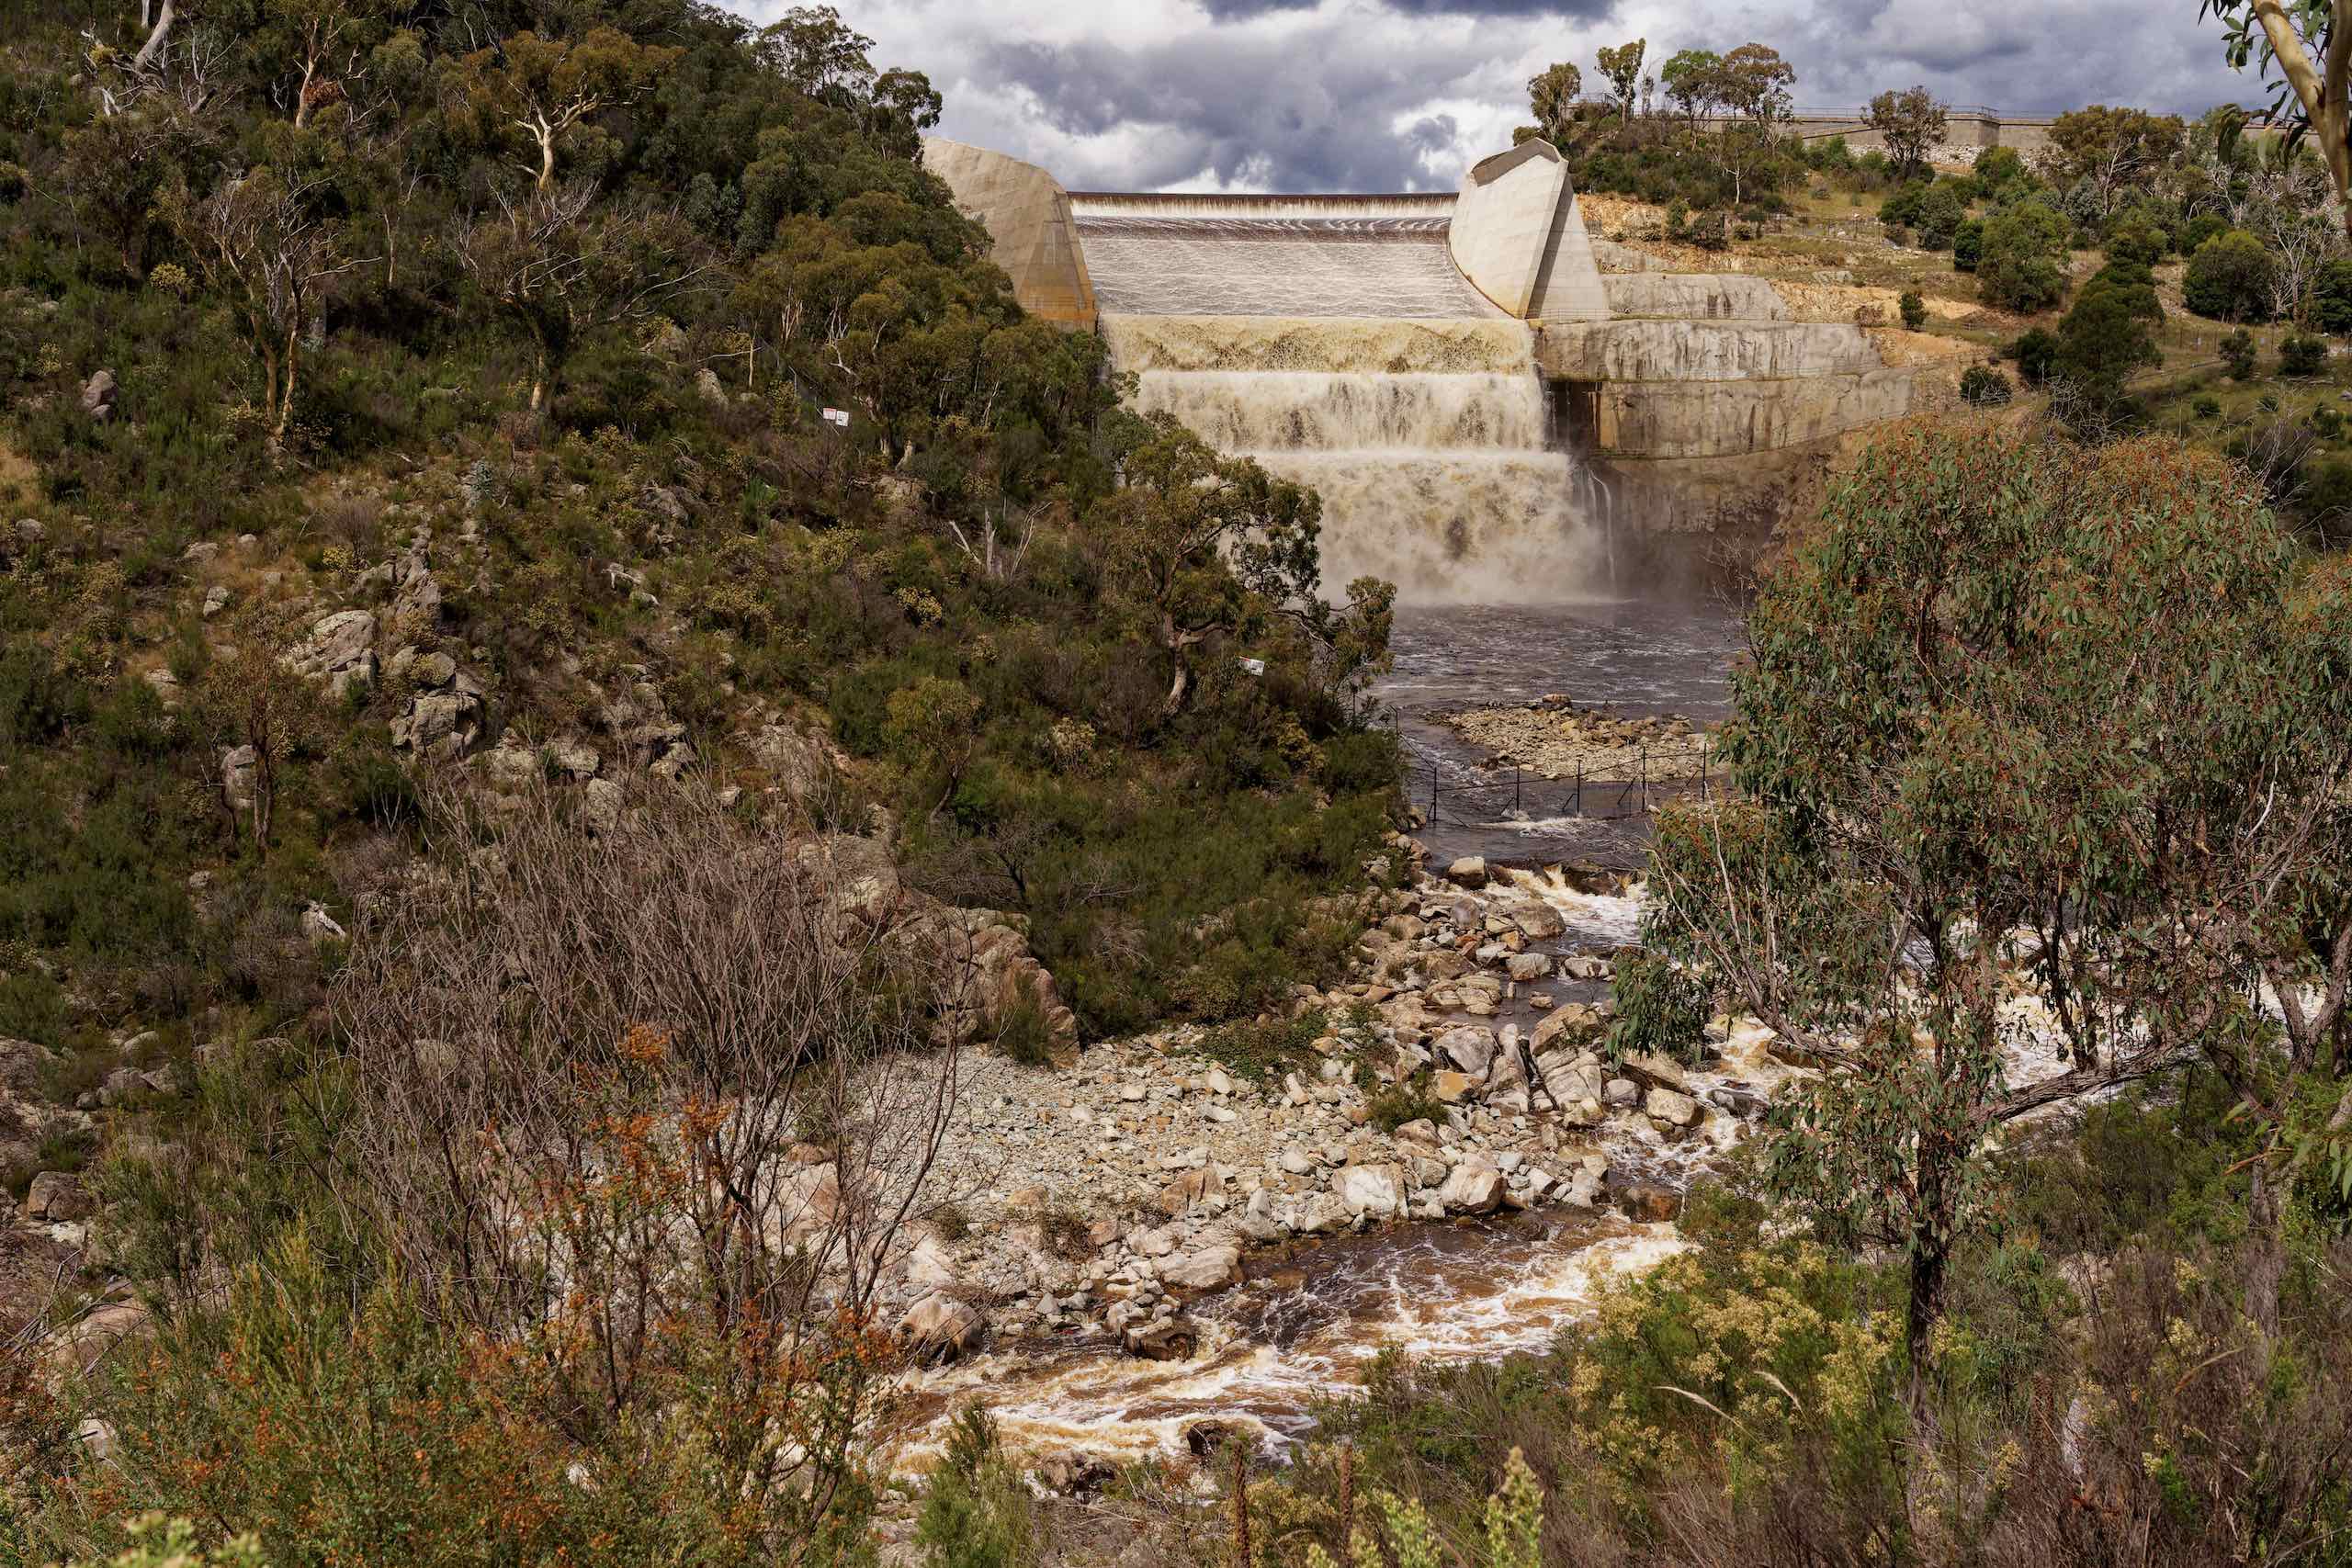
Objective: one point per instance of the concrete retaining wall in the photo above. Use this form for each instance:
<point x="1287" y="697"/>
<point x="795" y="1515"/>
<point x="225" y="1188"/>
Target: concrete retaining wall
<point x="1702" y="351"/>
<point x="1717" y="419"/>
<point x="1028" y="218"/>
<point x="1693" y="295"/>
<point x="1519" y="238"/>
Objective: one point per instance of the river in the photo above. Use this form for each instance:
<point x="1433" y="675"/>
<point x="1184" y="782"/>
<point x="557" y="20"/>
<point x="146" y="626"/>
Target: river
<point x="1313" y="1314"/>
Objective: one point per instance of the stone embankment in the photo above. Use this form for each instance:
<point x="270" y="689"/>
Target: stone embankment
<point x="1459" y="1074"/>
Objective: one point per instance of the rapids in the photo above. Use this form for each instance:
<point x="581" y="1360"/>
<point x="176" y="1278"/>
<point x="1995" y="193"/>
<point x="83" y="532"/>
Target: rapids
<point x="1312" y="1315"/>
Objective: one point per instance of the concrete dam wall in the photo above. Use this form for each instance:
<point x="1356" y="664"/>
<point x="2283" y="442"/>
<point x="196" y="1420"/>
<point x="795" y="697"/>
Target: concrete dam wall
<point x="1485" y="415"/>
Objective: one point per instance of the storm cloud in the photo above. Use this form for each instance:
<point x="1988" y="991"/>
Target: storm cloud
<point x="1403" y="94"/>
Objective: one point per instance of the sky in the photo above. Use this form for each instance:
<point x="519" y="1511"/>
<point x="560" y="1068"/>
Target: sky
<point x="1403" y="94"/>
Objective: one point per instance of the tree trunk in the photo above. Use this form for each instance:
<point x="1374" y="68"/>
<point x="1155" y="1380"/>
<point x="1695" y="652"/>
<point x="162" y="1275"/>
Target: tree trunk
<point x="547" y="159"/>
<point x="1929" y="1262"/>
<point x="286" y="398"/>
<point x="2265" y="1244"/>
<point x="155" y="38"/>
<point x="1177" y="688"/>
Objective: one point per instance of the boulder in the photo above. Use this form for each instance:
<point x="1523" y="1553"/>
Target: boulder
<point x="1570" y="1076"/>
<point x="443" y="723"/>
<point x="1587" y="966"/>
<point x="797" y="760"/>
<point x="1370" y="1191"/>
<point x="1210" y="1268"/>
<point x="239" y="766"/>
<point x="1470" y="1048"/>
<point x="1470" y="871"/>
<point x="99" y="396"/>
<point x="1190" y="1187"/>
<point x="1572" y="1021"/>
<point x="1667" y="1105"/>
<point x="1536" y="921"/>
<point x="1450" y="1087"/>
<point x="340" y="648"/>
<point x="320" y="927"/>
<point x="940" y="1328"/>
<point x="807" y="1204"/>
<point x="1528" y="967"/>
<point x="58" y="1197"/>
<point x="1648" y="1202"/>
<point x="927" y="1267"/>
<point x="1473" y="1188"/>
<point x="1162" y="1339"/>
<point x="1323" y="1213"/>
<point x="1074" y="1474"/>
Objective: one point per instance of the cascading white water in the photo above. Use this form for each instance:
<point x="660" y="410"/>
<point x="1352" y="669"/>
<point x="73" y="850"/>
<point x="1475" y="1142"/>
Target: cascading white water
<point x="1349" y="353"/>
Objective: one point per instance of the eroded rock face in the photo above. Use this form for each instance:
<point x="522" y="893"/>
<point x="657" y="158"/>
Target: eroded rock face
<point x="340" y="648"/>
<point x="799" y="762"/>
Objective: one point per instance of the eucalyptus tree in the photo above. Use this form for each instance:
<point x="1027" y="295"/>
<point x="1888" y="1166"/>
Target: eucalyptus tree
<point x="2043" y="754"/>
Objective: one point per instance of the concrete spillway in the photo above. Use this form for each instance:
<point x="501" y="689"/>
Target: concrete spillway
<point x="1338" y="257"/>
<point x="1337" y="341"/>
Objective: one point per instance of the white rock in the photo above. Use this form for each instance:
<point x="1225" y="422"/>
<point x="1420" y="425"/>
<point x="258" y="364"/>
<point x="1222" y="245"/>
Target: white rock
<point x="1372" y="1191"/>
<point x="1666" y="1105"/>
<point x="1210" y="1268"/>
<point x="1472" y="1189"/>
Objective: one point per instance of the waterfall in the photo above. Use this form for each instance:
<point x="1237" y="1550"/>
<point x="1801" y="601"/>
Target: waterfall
<point x="1428" y="441"/>
<point x="1342" y="349"/>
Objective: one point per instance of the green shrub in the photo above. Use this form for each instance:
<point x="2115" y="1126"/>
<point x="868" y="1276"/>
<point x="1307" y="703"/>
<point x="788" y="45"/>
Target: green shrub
<point x="2036" y="352"/>
<point x="1996" y="166"/>
<point x="1260" y="1052"/>
<point x="1913" y="309"/>
<point x="2205" y="406"/>
<point x="2238" y="355"/>
<point x="2331" y="298"/>
<point x="2230" y="278"/>
<point x="2302" y="354"/>
<point x="2198" y="229"/>
<point x="1968" y="245"/>
<point x="2022" y="266"/>
<point x="1404" y="1102"/>
<point x="1941" y="213"/>
<point x="1983" y="386"/>
<point x="2326" y="422"/>
<point x="976" y="1513"/>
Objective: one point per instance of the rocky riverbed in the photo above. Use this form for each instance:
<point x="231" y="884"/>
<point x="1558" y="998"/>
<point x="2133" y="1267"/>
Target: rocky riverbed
<point x="1087" y="1228"/>
<point x="1553" y="739"/>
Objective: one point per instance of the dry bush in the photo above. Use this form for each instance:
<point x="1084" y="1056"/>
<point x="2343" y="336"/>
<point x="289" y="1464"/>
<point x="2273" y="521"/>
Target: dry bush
<point x="593" y="1070"/>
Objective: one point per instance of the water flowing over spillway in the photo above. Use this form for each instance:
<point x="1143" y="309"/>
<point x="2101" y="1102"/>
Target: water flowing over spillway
<point x="1336" y="342"/>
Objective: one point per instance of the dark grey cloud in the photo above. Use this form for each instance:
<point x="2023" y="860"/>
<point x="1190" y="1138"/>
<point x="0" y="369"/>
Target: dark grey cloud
<point x="1232" y="10"/>
<point x="1392" y="94"/>
<point x="1242" y="110"/>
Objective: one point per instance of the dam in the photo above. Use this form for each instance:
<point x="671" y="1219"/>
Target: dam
<point x="1489" y="418"/>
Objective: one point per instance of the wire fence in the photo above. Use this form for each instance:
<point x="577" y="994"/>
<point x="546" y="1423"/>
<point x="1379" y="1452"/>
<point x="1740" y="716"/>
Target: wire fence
<point x="1624" y="789"/>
